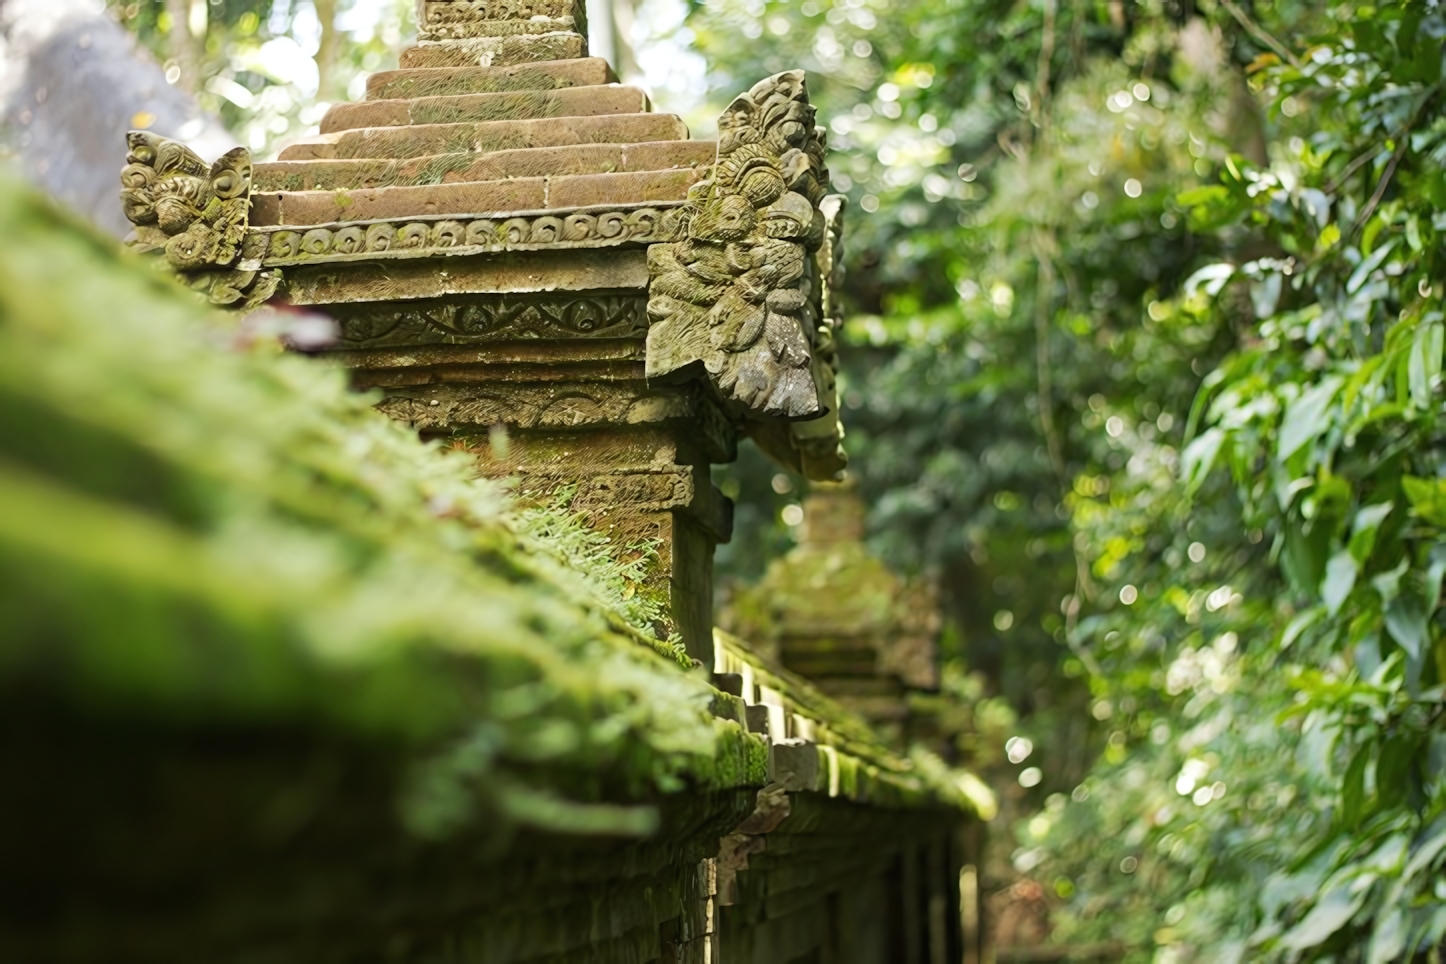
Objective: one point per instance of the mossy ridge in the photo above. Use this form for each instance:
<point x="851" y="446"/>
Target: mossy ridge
<point x="410" y="88"/>
<point x="434" y="169"/>
<point x="328" y="176"/>
<point x="384" y="143"/>
<point x="326" y="569"/>
<point x="528" y="105"/>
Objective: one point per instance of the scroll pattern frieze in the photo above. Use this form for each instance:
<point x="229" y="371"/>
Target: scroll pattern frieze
<point x="495" y="318"/>
<point x="588" y="228"/>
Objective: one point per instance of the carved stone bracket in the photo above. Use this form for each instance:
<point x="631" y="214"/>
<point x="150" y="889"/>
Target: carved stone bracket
<point x="196" y="214"/>
<point x="814" y="448"/>
<point x="746" y="288"/>
<point x="740" y="292"/>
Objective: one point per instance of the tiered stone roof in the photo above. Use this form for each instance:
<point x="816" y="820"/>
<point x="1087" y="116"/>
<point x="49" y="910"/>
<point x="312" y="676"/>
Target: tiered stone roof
<point x="530" y="139"/>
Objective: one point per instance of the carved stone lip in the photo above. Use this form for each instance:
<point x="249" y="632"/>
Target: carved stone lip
<point x="492" y="215"/>
<point x="313" y="243"/>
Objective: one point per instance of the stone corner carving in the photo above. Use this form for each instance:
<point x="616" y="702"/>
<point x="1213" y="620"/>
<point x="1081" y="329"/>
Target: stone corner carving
<point x="814" y="448"/>
<point x="819" y="442"/>
<point x="196" y="215"/>
<point x="739" y="294"/>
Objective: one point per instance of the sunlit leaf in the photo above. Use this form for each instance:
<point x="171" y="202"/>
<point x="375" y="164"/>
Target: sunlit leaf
<point x="1329" y="915"/>
<point x="1306" y="417"/>
<point x="1428" y="498"/>
<point x="1340" y="579"/>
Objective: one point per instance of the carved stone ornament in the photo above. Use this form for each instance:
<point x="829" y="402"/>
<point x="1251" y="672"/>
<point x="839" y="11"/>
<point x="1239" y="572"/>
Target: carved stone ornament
<point x="740" y="292"/>
<point x="489" y="318"/>
<point x="196" y="214"/>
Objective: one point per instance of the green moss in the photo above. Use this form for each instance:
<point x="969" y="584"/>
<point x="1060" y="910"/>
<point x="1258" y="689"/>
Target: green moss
<point x="195" y="536"/>
<point x="518" y="106"/>
<point x="434" y="170"/>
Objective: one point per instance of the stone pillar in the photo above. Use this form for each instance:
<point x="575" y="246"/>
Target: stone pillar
<point x="554" y="393"/>
<point x="831" y="611"/>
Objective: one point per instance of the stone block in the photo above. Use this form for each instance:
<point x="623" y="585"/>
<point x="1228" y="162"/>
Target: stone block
<point x="421" y="140"/>
<point x="362" y="281"/>
<point x="471" y="198"/>
<point x="793" y="764"/>
<point x="319" y="147"/>
<point x="472" y="29"/>
<point x="584" y="190"/>
<point x="509" y="105"/>
<point x="495" y="51"/>
<point x="370" y="204"/>
<point x="444" y="81"/>
<point x="334" y="174"/>
<point x="468" y="18"/>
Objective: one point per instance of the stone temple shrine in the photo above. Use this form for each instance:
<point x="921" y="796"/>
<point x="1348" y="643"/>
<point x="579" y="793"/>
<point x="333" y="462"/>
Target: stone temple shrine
<point x="526" y="262"/>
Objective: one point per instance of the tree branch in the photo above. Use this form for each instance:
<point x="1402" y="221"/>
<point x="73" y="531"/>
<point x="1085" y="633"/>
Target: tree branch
<point x="1259" y="33"/>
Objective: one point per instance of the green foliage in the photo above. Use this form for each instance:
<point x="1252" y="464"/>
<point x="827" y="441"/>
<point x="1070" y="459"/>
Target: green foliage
<point x="1146" y="360"/>
<point x="203" y="531"/>
<point x="268" y="68"/>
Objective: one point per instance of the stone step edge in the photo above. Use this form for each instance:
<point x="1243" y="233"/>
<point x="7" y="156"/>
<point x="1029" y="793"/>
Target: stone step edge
<point x="405" y="106"/>
<point x="593" y="209"/>
<point x="563" y="191"/>
<point x="479" y="130"/>
<point x="432" y="80"/>
<point x="496" y="51"/>
<point x="361" y="165"/>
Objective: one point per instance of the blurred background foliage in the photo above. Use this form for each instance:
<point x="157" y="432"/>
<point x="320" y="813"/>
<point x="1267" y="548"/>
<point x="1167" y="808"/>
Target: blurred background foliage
<point x="1143" y="367"/>
<point x="269" y="68"/>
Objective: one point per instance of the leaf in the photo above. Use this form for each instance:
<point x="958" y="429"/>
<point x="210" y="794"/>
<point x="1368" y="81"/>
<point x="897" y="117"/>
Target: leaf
<point x="1427" y="851"/>
<point x="1199" y="458"/>
<point x="1340" y="579"/>
<point x="1428" y="498"/>
<point x="1423" y="365"/>
<point x="1388" y="583"/>
<point x="1329" y="915"/>
<point x="1329" y="236"/>
<point x="1353" y="787"/>
<point x="1363" y="530"/>
<point x="1304" y="555"/>
<point x="1211" y="278"/>
<point x="1370" y="264"/>
<point x="1389" y="938"/>
<point x="1406" y="621"/>
<point x="1209" y="194"/>
<point x="1298" y="625"/>
<point x="1413" y="235"/>
<point x="1396" y="775"/>
<point x="1265" y="294"/>
<point x="1306" y="417"/>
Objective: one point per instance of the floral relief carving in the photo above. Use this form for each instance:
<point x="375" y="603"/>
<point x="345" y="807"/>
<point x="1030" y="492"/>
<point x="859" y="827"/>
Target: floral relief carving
<point x="495" y="318"/>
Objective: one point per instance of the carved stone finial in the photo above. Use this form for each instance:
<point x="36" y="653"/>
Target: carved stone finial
<point x="196" y="214"/>
<point x="740" y="293"/>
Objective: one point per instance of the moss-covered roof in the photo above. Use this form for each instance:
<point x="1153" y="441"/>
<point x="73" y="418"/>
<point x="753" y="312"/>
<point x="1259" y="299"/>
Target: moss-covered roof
<point x="199" y="528"/>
